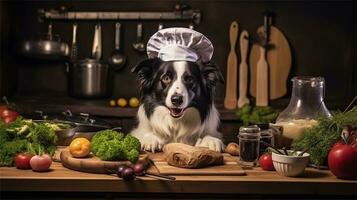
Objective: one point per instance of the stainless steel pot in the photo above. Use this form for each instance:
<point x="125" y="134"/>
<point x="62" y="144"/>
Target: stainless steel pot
<point x="45" y="46"/>
<point x="90" y="78"/>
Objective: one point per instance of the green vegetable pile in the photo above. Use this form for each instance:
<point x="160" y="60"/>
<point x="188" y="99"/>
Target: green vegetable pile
<point x="112" y="145"/>
<point x="25" y="136"/>
<point x="328" y="132"/>
<point x="257" y="115"/>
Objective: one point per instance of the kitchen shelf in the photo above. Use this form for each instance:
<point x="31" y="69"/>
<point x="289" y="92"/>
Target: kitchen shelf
<point x="57" y="104"/>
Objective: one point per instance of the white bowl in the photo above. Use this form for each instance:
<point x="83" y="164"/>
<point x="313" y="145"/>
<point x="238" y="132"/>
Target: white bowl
<point x="290" y="165"/>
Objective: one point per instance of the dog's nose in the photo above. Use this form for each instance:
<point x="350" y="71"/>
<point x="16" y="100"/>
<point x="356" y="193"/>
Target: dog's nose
<point x="177" y="99"/>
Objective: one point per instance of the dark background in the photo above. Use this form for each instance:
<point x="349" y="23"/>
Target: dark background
<point x="322" y="36"/>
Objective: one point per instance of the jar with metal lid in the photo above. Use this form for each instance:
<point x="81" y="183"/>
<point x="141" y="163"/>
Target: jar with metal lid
<point x="249" y="142"/>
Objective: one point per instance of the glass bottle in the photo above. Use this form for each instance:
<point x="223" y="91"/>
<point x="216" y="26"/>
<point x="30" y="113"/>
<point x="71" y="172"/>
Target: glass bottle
<point x="306" y="105"/>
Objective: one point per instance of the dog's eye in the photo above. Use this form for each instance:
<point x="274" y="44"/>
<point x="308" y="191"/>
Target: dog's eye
<point x="189" y="79"/>
<point x="166" y="79"/>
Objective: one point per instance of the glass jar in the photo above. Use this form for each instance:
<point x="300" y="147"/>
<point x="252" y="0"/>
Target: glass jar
<point x="249" y="142"/>
<point x="306" y="105"/>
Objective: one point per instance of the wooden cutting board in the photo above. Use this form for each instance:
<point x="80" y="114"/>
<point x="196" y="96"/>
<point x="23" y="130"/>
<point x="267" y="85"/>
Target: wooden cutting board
<point x="230" y="168"/>
<point x="94" y="164"/>
<point x="279" y="61"/>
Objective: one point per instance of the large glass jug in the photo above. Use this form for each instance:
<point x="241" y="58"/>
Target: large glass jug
<point x="306" y="105"/>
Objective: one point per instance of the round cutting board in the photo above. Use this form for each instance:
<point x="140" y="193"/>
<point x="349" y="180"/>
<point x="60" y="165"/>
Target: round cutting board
<point x="94" y="164"/>
<point x="279" y="63"/>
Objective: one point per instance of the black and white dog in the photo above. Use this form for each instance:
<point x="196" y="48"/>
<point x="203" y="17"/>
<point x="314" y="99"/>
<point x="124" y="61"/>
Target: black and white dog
<point x="177" y="104"/>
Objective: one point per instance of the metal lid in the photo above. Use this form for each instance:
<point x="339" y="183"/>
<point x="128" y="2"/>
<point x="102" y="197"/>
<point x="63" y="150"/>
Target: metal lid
<point x="249" y="129"/>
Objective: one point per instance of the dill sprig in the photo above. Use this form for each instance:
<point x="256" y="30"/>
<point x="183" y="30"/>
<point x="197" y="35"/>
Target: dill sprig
<point x="328" y="130"/>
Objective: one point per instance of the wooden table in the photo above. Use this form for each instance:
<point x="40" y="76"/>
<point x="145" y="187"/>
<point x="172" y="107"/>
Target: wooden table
<point x="258" y="182"/>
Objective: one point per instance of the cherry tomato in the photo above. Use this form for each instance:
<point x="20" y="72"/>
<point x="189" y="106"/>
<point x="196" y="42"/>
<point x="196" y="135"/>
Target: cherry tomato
<point x="266" y="162"/>
<point x="22" y="161"/>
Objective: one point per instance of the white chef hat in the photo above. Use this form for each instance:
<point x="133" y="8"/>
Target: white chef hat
<point x="172" y="44"/>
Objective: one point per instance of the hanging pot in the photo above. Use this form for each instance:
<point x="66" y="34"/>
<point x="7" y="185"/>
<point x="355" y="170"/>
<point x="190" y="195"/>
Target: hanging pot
<point x="45" y="46"/>
<point x="90" y="78"/>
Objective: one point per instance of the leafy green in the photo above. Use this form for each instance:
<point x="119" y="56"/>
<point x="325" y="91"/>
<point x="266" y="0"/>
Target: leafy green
<point x="257" y="115"/>
<point x="112" y="145"/>
<point x="24" y="135"/>
<point x="42" y="135"/>
<point x="328" y="130"/>
<point x="9" y="149"/>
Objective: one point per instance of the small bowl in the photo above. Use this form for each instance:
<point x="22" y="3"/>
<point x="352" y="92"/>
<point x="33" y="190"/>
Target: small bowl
<point x="290" y="165"/>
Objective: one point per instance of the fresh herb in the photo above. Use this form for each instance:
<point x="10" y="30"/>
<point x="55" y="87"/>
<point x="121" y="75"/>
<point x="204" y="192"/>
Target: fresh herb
<point x="112" y="145"/>
<point x="328" y="132"/>
<point x="21" y="134"/>
<point x="257" y="115"/>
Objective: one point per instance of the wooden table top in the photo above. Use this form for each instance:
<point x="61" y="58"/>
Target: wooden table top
<point x="257" y="181"/>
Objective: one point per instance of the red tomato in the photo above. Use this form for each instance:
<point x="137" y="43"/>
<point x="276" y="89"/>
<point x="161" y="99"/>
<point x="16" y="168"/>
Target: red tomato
<point x="22" y="161"/>
<point x="266" y="162"/>
<point x="41" y="163"/>
<point x="9" y="119"/>
<point x="342" y="161"/>
<point x="8" y="113"/>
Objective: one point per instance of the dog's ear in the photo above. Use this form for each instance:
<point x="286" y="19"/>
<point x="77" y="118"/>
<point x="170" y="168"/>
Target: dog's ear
<point x="144" y="71"/>
<point x="212" y="73"/>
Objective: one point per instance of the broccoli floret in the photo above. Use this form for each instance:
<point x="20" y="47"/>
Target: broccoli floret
<point x="112" y="145"/>
<point x="104" y="136"/>
<point x="131" y="142"/>
<point x="111" y="150"/>
<point x="132" y="155"/>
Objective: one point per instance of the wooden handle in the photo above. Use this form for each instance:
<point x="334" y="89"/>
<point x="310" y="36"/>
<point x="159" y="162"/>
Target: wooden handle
<point x="233" y="34"/>
<point x="230" y="101"/>
<point x="262" y="80"/>
<point x="243" y="70"/>
<point x="244" y="36"/>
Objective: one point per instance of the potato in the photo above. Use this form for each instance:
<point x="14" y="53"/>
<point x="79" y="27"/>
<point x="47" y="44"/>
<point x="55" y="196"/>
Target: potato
<point x="233" y="149"/>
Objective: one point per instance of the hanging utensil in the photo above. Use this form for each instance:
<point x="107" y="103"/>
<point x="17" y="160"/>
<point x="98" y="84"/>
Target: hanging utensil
<point x="262" y="79"/>
<point x="45" y="46"/>
<point x="139" y="44"/>
<point x="230" y="100"/>
<point x="279" y="60"/>
<point x="262" y="97"/>
<point x="243" y="70"/>
<point x="117" y="60"/>
<point x="97" y="42"/>
<point x="74" y="47"/>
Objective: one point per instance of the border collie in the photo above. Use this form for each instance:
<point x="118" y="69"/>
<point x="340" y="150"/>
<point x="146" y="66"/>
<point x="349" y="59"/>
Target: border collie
<point x="177" y="104"/>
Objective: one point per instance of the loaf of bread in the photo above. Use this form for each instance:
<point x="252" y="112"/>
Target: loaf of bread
<point x="186" y="156"/>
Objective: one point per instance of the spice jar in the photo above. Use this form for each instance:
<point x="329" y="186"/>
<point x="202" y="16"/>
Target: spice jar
<point x="249" y="142"/>
<point x="306" y="104"/>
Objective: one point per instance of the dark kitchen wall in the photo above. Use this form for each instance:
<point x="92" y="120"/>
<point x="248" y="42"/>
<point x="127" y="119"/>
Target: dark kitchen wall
<point x="322" y="36"/>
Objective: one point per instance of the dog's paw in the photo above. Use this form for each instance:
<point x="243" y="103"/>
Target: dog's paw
<point x="151" y="142"/>
<point x="212" y="143"/>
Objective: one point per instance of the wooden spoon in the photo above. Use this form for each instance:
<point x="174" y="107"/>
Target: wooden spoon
<point x="262" y="79"/>
<point x="230" y="100"/>
<point x="243" y="70"/>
